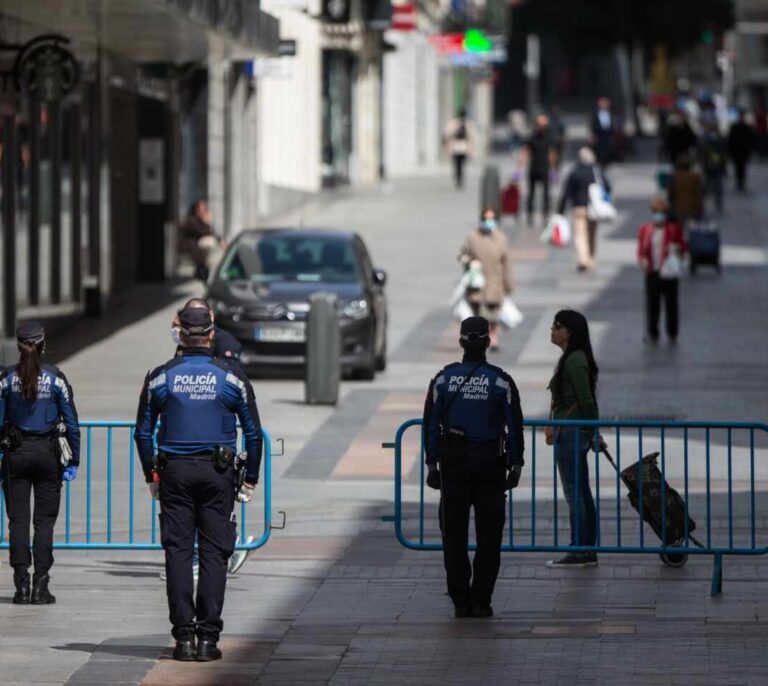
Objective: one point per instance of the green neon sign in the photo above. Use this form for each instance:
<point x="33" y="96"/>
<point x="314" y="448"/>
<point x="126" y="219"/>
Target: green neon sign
<point x="475" y="40"/>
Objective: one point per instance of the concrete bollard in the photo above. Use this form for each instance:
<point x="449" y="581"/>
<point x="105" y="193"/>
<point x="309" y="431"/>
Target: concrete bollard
<point x="323" y="358"/>
<point x="490" y="189"/>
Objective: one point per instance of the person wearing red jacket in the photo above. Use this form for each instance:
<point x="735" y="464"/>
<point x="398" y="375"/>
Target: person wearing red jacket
<point x="660" y="248"/>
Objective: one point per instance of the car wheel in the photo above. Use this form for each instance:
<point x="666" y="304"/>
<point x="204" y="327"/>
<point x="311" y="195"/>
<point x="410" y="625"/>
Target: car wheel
<point x="366" y="373"/>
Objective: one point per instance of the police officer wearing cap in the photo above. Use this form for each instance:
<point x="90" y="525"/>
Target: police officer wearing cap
<point x="35" y="399"/>
<point x="473" y="437"/>
<point x="198" y="399"/>
<point x="225" y="345"/>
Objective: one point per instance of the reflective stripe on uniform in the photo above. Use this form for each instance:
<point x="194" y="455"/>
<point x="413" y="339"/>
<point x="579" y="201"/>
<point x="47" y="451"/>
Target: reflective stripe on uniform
<point x="231" y="378"/>
<point x="505" y="385"/>
<point x="439" y="380"/>
<point x="61" y="384"/>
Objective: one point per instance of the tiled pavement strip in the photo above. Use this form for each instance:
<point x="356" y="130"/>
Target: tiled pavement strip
<point x="334" y="598"/>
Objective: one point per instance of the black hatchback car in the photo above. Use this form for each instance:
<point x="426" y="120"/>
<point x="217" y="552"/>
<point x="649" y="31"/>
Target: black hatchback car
<point x="260" y="294"/>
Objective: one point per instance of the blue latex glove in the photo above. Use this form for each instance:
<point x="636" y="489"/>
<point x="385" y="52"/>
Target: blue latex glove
<point x="70" y="473"/>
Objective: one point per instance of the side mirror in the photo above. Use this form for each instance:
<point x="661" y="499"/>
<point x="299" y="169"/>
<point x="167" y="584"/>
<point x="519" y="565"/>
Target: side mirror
<point x="379" y="277"/>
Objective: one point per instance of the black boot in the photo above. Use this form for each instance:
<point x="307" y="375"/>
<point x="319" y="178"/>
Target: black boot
<point x="40" y="593"/>
<point x="207" y="650"/>
<point x="21" y="597"/>
<point x="184" y="650"/>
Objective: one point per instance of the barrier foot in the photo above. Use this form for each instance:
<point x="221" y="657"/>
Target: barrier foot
<point x="717" y="575"/>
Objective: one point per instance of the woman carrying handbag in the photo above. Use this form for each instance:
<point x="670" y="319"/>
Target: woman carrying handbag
<point x="660" y="249"/>
<point x="573" y="397"/>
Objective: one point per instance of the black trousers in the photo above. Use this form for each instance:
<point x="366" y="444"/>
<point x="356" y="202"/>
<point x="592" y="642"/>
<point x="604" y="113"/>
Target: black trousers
<point x="534" y="179"/>
<point x="656" y="290"/>
<point x="195" y="499"/>
<point x="475" y="480"/>
<point x="33" y="467"/>
<point x="458" y="170"/>
<point x="740" y="167"/>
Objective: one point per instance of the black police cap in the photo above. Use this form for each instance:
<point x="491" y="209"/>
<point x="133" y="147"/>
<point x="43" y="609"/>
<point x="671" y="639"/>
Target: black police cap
<point x="195" y="321"/>
<point x="474" y="327"/>
<point x="31" y="331"/>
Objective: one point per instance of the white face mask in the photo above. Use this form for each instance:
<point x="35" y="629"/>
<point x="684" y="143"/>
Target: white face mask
<point x="176" y="335"/>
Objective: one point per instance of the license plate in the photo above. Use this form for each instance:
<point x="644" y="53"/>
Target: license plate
<point x="276" y="334"/>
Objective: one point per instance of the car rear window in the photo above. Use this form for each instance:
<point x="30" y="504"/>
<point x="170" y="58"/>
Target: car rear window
<point x="282" y="257"/>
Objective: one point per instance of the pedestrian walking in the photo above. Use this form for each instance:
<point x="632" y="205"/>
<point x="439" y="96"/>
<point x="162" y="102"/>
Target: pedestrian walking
<point x="198" y="238"/>
<point x="488" y="245"/>
<point x="679" y="138"/>
<point x="713" y="156"/>
<point x="741" y="144"/>
<point x="603" y="126"/>
<point x="576" y="194"/>
<point x="198" y="400"/>
<point x="35" y="399"/>
<point x="540" y="154"/>
<point x="573" y="389"/>
<point x="473" y="427"/>
<point x="557" y="126"/>
<point x="660" y="249"/>
<point x="459" y="138"/>
<point x="686" y="192"/>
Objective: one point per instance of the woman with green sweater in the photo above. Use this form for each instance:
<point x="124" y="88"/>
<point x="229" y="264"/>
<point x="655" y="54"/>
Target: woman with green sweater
<point x="573" y="398"/>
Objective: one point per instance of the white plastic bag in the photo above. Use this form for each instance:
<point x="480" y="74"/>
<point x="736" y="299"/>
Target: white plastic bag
<point x="509" y="315"/>
<point x="462" y="310"/>
<point x="557" y="232"/>
<point x="672" y="267"/>
<point x="600" y="207"/>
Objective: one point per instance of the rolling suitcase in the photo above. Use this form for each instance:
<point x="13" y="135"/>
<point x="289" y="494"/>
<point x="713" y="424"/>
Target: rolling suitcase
<point x="510" y="199"/>
<point x="703" y="244"/>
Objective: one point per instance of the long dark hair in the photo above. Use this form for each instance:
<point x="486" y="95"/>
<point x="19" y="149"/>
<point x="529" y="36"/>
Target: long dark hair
<point x="30" y="363"/>
<point x="577" y="326"/>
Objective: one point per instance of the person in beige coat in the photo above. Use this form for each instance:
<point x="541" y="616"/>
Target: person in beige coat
<point x="488" y="244"/>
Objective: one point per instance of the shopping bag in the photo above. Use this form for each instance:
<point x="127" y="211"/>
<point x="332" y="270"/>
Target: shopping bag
<point x="462" y="310"/>
<point x="672" y="267"/>
<point x="510" y="199"/>
<point x="509" y="315"/>
<point x="600" y="207"/>
<point x="557" y="232"/>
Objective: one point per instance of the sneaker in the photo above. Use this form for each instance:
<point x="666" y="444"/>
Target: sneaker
<point x="239" y="557"/>
<point x="575" y="560"/>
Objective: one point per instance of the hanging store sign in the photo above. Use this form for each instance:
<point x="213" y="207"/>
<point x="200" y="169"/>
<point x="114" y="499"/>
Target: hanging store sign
<point x="471" y="48"/>
<point x="45" y="70"/>
<point x="404" y="17"/>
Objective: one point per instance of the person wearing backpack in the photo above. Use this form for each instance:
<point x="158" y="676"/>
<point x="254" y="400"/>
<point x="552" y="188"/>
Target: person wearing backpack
<point x="458" y="139"/>
<point x="474" y="444"/>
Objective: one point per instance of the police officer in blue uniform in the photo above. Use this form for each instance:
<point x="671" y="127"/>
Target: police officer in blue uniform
<point x="225" y="345"/>
<point x="34" y="398"/>
<point x="473" y="437"/>
<point x="198" y="399"/>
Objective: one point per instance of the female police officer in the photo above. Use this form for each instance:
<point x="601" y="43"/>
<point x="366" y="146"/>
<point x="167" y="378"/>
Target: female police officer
<point x="34" y="398"/>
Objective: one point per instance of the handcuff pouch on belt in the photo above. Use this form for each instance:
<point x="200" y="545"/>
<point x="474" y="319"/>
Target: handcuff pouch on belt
<point x="10" y="438"/>
<point x="223" y="458"/>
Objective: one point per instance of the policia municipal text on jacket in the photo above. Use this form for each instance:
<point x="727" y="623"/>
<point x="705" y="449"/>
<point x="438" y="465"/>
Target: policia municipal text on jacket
<point x="35" y="398"/>
<point x="198" y="400"/>
<point x="473" y="428"/>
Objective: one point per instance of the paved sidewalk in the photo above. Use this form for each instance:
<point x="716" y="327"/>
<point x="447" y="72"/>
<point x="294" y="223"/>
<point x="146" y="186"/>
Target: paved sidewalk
<point x="334" y="599"/>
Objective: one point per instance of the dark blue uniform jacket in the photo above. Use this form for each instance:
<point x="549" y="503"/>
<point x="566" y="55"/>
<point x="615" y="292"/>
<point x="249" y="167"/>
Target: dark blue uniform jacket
<point x="198" y="400"/>
<point x="55" y="401"/>
<point x="486" y="408"/>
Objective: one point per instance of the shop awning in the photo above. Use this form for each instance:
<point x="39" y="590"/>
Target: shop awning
<point x="156" y="30"/>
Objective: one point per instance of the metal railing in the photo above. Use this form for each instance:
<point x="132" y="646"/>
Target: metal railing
<point x="102" y="509"/>
<point x="715" y="466"/>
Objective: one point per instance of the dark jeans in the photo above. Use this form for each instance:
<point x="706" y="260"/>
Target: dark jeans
<point x="574" y="476"/>
<point x="31" y="468"/>
<point x="740" y="167"/>
<point x="196" y="500"/>
<point x="657" y="289"/>
<point x="713" y="186"/>
<point x="458" y="170"/>
<point x="473" y="480"/>
<point x="534" y="179"/>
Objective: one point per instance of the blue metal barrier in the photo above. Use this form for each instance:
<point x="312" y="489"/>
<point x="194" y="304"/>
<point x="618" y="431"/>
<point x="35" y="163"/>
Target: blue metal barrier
<point x="724" y="530"/>
<point x="98" y="518"/>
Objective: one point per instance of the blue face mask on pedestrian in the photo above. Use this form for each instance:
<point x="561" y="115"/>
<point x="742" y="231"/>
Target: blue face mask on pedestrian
<point x="488" y="225"/>
<point x="659" y="218"/>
